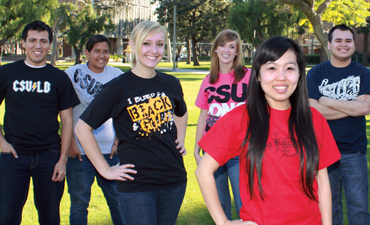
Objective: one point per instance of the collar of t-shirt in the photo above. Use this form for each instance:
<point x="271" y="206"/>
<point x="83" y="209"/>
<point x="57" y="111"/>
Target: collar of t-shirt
<point x="35" y="67"/>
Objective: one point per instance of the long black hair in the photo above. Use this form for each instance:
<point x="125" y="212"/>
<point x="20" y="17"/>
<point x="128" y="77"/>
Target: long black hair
<point x="301" y="129"/>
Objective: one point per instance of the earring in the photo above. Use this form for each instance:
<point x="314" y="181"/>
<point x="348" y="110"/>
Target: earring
<point x="215" y="50"/>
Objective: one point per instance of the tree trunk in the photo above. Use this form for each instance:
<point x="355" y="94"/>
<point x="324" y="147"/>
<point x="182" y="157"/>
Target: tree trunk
<point x="169" y="51"/>
<point x="188" y="61"/>
<point x="1" y="53"/>
<point x="54" y="51"/>
<point x="364" y="56"/>
<point x="323" y="55"/>
<point x="78" y="55"/>
<point x="195" y="56"/>
<point x="315" y="19"/>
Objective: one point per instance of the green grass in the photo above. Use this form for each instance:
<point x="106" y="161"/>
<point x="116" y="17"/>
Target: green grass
<point x="193" y="210"/>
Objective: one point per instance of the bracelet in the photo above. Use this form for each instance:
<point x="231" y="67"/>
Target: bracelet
<point x="115" y="144"/>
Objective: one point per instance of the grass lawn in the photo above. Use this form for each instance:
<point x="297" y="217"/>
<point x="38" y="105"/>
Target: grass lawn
<point x="193" y="210"/>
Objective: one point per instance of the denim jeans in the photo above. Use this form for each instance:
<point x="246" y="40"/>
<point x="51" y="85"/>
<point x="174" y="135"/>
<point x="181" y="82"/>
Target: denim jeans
<point x="80" y="177"/>
<point x="152" y="208"/>
<point x="15" y="177"/>
<point x="351" y="172"/>
<point x="222" y="175"/>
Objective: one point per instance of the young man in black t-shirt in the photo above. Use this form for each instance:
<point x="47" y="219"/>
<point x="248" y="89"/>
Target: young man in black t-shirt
<point x="35" y="93"/>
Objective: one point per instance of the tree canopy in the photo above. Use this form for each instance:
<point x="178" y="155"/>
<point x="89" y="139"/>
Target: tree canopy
<point x="17" y="13"/>
<point x="257" y="20"/>
<point x="196" y="20"/>
<point x="80" y="23"/>
<point x="323" y="14"/>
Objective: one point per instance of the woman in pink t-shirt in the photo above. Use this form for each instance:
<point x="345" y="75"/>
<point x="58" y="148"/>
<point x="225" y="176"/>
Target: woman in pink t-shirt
<point x="284" y="146"/>
<point x="221" y="91"/>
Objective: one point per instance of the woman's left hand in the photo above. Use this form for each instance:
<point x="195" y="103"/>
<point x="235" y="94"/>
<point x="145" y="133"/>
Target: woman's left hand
<point x="181" y="146"/>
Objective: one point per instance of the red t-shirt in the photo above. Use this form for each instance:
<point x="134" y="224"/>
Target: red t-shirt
<point x="284" y="201"/>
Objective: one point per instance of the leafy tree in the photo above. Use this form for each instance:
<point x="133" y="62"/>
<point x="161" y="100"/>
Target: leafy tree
<point x="196" y="20"/>
<point x="80" y="23"/>
<point x="15" y="14"/>
<point x="257" y="20"/>
<point x="323" y="14"/>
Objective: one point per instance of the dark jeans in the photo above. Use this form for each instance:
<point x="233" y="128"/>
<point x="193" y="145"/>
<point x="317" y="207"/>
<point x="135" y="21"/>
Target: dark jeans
<point x="351" y="173"/>
<point x="222" y="175"/>
<point x="15" y="177"/>
<point x="152" y="208"/>
<point x="80" y="177"/>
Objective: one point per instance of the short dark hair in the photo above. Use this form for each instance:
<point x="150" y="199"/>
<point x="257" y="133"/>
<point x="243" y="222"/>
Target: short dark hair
<point x="39" y="26"/>
<point x="341" y="27"/>
<point x="95" y="39"/>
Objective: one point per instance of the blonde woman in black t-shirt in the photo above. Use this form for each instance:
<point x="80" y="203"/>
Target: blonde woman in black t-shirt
<point x="150" y="117"/>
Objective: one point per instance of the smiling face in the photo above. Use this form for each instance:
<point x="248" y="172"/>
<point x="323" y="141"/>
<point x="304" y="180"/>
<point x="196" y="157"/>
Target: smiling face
<point x="279" y="80"/>
<point x="342" y="47"/>
<point x="151" y="53"/>
<point x="98" y="57"/>
<point x="226" y="53"/>
<point x="37" y="47"/>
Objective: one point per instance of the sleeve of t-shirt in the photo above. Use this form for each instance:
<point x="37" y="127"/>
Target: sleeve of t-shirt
<point x="67" y="95"/>
<point x="103" y="107"/>
<point x="2" y="83"/>
<point x="365" y="82"/>
<point x="117" y="72"/>
<point x="328" y="150"/>
<point x="69" y="72"/>
<point x="180" y="108"/>
<point x="312" y="85"/>
<point x="202" y="98"/>
<point x="224" y="140"/>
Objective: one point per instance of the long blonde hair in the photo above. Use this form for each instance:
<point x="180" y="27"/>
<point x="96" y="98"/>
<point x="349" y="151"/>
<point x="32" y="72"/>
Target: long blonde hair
<point x="222" y="38"/>
<point x="141" y="32"/>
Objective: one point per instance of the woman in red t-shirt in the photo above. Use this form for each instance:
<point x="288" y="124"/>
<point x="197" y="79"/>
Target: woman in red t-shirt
<point x="284" y="145"/>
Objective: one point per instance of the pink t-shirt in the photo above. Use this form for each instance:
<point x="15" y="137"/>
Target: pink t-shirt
<point x="223" y="96"/>
<point x="284" y="201"/>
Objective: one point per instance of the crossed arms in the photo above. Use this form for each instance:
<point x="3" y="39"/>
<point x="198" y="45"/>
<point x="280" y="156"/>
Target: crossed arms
<point x="333" y="109"/>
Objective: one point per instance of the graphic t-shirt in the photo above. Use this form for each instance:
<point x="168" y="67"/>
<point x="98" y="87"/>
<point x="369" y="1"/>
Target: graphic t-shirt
<point x="342" y="84"/>
<point x="284" y="199"/>
<point x="87" y="84"/>
<point x="223" y="96"/>
<point x="33" y="99"/>
<point x="143" y="113"/>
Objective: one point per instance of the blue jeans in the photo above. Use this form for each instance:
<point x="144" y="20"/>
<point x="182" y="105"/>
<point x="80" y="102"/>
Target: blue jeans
<point x="15" y="177"/>
<point x="222" y="175"/>
<point x="80" y="177"/>
<point x="152" y="208"/>
<point x="351" y="172"/>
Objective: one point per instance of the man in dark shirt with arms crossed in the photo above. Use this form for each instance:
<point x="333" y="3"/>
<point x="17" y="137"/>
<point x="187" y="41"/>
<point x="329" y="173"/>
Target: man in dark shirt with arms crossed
<point x="339" y="90"/>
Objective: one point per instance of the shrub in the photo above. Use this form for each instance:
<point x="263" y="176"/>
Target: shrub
<point x="313" y="59"/>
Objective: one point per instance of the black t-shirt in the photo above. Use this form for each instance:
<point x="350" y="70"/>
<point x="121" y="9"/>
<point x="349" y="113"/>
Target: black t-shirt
<point x="33" y="99"/>
<point x="344" y="84"/>
<point x="142" y="112"/>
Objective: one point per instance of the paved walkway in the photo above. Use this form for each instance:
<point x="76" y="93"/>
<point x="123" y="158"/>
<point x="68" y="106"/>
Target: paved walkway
<point x="183" y="70"/>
